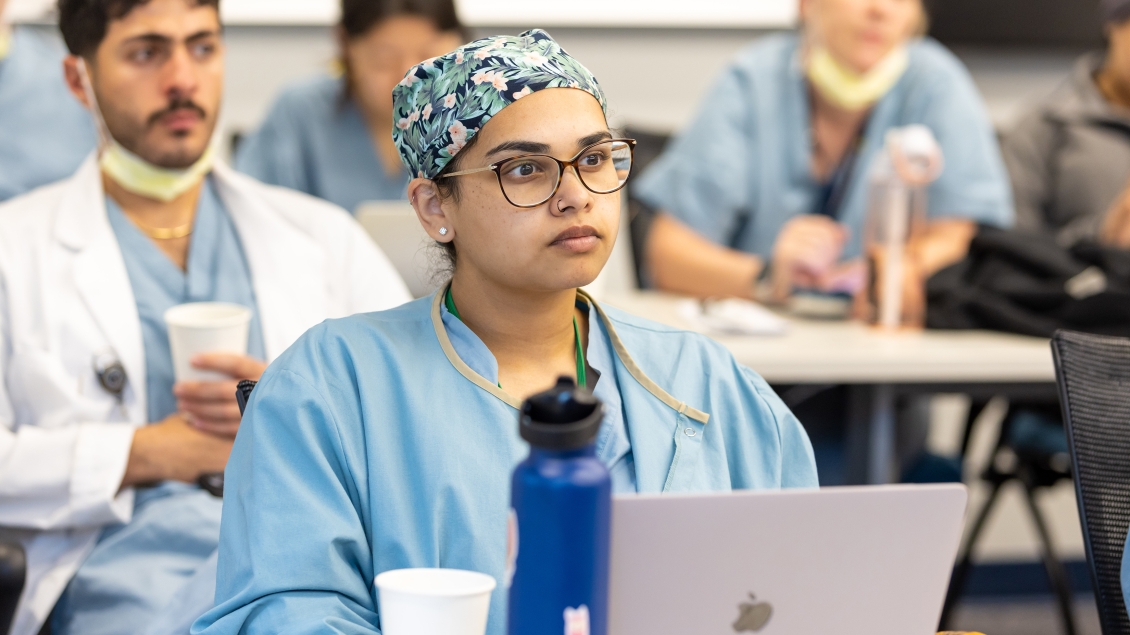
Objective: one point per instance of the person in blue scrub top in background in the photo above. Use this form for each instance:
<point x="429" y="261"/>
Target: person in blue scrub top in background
<point x="765" y="191"/>
<point x="44" y="133"/>
<point x="386" y="440"/>
<point x="331" y="136"/>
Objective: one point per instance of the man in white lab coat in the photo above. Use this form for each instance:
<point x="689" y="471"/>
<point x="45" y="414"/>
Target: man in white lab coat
<point x="97" y="477"/>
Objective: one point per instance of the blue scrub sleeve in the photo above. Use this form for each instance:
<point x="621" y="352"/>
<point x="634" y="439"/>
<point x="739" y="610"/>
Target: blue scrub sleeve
<point x="797" y="462"/>
<point x="702" y="178"/>
<point x="294" y="556"/>
<point x="1126" y="573"/>
<point x="273" y="154"/>
<point x="974" y="183"/>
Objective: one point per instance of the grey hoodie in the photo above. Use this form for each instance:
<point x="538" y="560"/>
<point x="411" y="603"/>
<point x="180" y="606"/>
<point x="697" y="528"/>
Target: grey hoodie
<point x="1069" y="158"/>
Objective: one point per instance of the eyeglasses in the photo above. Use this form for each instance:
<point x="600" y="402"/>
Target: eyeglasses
<point x="532" y="179"/>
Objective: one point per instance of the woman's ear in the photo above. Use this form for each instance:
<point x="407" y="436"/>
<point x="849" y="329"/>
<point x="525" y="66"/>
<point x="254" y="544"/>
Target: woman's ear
<point x="425" y="199"/>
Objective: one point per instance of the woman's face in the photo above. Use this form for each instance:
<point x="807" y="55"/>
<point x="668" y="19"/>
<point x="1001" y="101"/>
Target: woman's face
<point x="379" y="58"/>
<point x="860" y="33"/>
<point x="561" y="244"/>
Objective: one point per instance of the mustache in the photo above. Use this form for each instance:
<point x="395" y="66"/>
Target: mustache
<point x="175" y="105"/>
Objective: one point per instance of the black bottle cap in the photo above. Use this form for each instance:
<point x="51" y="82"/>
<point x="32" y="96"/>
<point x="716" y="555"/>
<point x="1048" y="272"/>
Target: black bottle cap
<point x="564" y="417"/>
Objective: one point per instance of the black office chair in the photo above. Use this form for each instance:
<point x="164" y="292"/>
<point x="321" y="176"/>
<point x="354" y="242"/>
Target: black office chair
<point x="1035" y="468"/>
<point x="13" y="572"/>
<point x="1093" y="373"/>
<point x="243" y="393"/>
<point x="649" y="145"/>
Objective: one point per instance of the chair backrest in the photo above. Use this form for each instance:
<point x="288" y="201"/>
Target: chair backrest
<point x="13" y="572"/>
<point x="243" y="393"/>
<point x="649" y="146"/>
<point x="1093" y="373"/>
<point x="393" y="225"/>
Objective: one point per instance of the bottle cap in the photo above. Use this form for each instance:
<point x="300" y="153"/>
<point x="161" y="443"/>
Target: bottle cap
<point x="564" y="417"/>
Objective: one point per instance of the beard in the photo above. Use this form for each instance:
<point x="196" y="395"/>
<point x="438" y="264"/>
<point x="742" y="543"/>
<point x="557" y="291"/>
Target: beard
<point x="173" y="152"/>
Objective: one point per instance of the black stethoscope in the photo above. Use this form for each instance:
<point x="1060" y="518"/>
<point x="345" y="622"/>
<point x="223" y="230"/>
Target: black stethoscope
<point x="113" y="379"/>
<point x="111" y="374"/>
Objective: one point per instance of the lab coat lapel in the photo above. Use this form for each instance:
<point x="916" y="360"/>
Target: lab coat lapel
<point x="288" y="270"/>
<point x="100" y="276"/>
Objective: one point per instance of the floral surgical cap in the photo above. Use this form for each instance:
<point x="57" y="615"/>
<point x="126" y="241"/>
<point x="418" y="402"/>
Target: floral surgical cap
<point x="443" y="102"/>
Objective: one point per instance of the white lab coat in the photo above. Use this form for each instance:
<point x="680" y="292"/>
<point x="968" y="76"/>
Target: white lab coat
<point x="65" y="298"/>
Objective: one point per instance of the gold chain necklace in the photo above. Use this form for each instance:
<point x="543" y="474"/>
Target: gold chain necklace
<point x="165" y="233"/>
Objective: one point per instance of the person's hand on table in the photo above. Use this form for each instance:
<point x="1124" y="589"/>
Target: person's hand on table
<point x="943" y="243"/>
<point x="174" y="450"/>
<point x="210" y="406"/>
<point x="1115" y="230"/>
<point x="866" y="305"/>
<point x="806" y="255"/>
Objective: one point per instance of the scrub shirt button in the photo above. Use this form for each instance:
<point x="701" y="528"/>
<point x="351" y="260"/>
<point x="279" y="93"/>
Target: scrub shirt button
<point x="690" y="432"/>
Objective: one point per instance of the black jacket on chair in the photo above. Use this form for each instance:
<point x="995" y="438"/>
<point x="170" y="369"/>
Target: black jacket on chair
<point x="1026" y="283"/>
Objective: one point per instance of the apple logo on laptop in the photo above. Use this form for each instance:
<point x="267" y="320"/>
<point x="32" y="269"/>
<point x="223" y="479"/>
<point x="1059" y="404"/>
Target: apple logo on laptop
<point x="754" y="615"/>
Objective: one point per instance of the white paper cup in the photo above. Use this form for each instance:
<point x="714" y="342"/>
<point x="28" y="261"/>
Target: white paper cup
<point x="434" y="601"/>
<point x="205" y="327"/>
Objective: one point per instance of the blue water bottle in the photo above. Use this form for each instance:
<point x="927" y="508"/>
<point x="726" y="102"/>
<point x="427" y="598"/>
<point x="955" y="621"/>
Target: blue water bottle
<point x="562" y="505"/>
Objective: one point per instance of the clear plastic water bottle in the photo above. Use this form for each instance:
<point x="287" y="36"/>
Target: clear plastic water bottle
<point x="559" y="525"/>
<point x="911" y="159"/>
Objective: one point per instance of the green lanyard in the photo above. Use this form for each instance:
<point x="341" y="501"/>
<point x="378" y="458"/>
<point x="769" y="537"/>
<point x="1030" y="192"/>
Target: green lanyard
<point x="582" y="374"/>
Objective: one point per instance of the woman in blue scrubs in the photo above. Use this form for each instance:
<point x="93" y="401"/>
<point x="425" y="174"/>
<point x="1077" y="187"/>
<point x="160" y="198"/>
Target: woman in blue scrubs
<point x="331" y="135"/>
<point x="766" y="191"/>
<point x="386" y="440"/>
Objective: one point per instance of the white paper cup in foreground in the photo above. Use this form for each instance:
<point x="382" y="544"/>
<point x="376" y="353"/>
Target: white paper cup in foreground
<point x="434" y="601"/>
<point x="205" y="327"/>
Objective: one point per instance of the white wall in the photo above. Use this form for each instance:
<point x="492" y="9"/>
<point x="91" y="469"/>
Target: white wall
<point x="654" y="77"/>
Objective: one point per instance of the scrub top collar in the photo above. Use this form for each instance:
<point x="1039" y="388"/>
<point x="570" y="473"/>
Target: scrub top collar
<point x="488" y="366"/>
<point x="613" y="445"/>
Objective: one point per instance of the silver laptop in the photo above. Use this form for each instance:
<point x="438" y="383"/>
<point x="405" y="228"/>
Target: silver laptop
<point x="396" y="230"/>
<point x="837" y="561"/>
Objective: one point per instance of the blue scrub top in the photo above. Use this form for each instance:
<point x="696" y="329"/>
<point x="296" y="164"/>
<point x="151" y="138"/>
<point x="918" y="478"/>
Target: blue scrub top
<point x="613" y="445"/>
<point x="217" y="271"/>
<point x="44" y="132"/>
<point x="742" y="168"/>
<point x="139" y="573"/>
<point x="373" y="444"/>
<point x="315" y="140"/>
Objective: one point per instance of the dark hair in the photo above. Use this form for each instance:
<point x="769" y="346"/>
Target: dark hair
<point x="83" y="22"/>
<point x="449" y="189"/>
<point x="358" y="16"/>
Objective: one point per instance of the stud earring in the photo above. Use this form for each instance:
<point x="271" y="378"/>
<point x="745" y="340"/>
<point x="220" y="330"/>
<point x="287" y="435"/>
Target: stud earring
<point x="442" y="231"/>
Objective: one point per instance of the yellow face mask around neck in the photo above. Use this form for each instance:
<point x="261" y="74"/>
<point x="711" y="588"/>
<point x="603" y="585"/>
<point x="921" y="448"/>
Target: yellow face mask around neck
<point x="849" y="90"/>
<point x="135" y="174"/>
<point x="145" y="179"/>
<point x="5" y="41"/>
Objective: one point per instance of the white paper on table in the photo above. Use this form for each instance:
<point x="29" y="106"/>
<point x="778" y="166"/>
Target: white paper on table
<point x="732" y="317"/>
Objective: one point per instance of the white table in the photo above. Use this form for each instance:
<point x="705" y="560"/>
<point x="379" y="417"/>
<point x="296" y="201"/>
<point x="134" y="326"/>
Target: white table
<point x="834" y="352"/>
